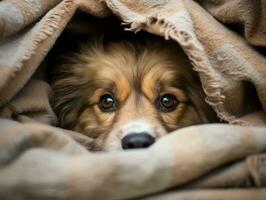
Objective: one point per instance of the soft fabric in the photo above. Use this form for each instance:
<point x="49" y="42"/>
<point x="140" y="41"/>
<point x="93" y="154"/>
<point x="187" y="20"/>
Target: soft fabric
<point x="225" y="41"/>
<point x="40" y="162"/>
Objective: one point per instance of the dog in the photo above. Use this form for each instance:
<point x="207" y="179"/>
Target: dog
<point x="127" y="94"/>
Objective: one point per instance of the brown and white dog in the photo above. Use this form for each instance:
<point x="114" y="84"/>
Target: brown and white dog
<point x="126" y="95"/>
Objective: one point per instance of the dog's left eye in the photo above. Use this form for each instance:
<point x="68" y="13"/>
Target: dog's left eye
<point x="167" y="103"/>
<point x="107" y="103"/>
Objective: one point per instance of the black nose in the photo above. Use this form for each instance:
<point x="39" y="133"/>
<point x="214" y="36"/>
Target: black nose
<point x="137" y="140"/>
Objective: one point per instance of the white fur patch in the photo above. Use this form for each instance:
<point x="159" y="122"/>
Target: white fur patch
<point x="137" y="126"/>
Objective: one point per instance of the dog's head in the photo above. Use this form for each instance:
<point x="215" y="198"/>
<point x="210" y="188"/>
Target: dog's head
<point x="126" y="95"/>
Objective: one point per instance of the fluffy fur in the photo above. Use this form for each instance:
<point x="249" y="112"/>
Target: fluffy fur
<point x="136" y="75"/>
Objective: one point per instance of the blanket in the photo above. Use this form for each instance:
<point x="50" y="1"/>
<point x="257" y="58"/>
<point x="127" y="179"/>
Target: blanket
<point x="225" y="41"/>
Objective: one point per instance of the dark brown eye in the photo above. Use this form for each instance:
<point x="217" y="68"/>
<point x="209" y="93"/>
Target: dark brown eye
<point x="107" y="103"/>
<point x="167" y="103"/>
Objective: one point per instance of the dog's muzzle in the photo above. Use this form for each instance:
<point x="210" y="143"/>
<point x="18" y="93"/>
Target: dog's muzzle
<point x="137" y="140"/>
<point x="137" y="134"/>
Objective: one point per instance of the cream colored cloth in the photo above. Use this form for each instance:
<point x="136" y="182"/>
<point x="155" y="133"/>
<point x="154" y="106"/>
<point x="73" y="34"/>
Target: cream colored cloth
<point x="38" y="161"/>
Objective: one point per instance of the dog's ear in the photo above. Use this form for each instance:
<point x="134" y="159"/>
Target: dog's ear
<point x="197" y="97"/>
<point x="69" y="82"/>
<point x="66" y="99"/>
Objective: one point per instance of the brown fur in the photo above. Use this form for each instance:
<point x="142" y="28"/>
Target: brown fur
<point x="136" y="74"/>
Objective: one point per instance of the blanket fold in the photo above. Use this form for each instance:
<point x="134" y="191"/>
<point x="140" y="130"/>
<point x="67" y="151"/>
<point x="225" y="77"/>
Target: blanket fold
<point x="249" y="15"/>
<point x="68" y="171"/>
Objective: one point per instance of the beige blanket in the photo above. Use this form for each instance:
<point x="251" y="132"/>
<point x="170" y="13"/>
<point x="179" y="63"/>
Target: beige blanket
<point x="224" y="39"/>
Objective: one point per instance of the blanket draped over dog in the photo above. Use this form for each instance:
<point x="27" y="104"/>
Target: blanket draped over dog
<point x="40" y="161"/>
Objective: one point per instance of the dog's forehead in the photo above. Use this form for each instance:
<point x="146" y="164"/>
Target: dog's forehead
<point x="125" y="72"/>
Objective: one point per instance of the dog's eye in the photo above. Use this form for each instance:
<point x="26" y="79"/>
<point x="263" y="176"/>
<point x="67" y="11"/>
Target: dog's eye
<point x="167" y="103"/>
<point x="107" y="103"/>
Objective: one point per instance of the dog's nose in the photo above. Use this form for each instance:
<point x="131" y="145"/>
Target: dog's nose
<point x="137" y="140"/>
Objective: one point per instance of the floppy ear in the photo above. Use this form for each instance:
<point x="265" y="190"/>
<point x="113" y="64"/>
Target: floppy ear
<point x="69" y="82"/>
<point x="197" y="97"/>
<point x="66" y="99"/>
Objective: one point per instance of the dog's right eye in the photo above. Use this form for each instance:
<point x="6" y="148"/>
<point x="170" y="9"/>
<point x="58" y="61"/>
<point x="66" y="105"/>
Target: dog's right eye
<point x="107" y="103"/>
